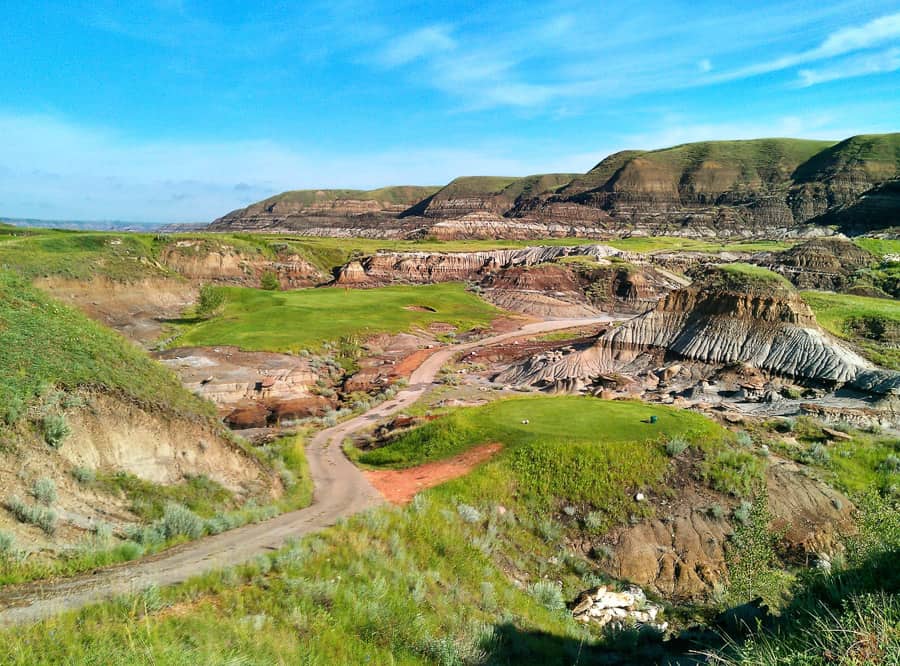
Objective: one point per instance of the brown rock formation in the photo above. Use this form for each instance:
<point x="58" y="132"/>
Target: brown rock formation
<point x="822" y="263"/>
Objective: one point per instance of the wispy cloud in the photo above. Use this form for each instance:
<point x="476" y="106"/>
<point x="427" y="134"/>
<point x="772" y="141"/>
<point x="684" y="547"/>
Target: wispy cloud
<point x="420" y="43"/>
<point x="842" y="42"/>
<point x="878" y="63"/>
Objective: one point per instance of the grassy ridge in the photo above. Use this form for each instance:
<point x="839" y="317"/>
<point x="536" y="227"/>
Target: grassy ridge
<point x="43" y="344"/>
<point x="282" y="321"/>
<point x="399" y="194"/>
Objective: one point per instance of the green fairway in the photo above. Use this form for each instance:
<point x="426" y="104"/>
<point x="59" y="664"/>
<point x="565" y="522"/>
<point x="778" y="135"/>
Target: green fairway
<point x="673" y="243"/>
<point x="594" y="453"/>
<point x="567" y="418"/>
<point x="260" y="320"/>
<point x="871" y="323"/>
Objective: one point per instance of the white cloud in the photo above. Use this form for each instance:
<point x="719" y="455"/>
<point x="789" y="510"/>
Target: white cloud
<point x="879" y="63"/>
<point x="418" y="44"/>
<point x="705" y="65"/>
<point x="842" y="42"/>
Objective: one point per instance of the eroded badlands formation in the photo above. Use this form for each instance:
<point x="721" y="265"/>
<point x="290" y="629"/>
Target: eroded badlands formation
<point x="765" y="188"/>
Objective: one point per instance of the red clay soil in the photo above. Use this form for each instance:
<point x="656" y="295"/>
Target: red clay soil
<point x="401" y="485"/>
<point x="405" y="367"/>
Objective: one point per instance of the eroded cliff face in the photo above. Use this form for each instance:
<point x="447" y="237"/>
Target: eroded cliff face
<point x="823" y="263"/>
<point x="767" y="327"/>
<point x="723" y="189"/>
<point x="206" y="261"/>
<point x="682" y="555"/>
<point x="428" y="267"/>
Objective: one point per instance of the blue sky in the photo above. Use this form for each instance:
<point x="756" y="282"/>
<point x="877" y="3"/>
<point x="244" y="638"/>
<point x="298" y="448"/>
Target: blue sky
<point x="180" y="110"/>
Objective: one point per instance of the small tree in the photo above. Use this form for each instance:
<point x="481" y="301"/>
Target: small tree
<point x="211" y="299"/>
<point x="753" y="568"/>
<point x="269" y="281"/>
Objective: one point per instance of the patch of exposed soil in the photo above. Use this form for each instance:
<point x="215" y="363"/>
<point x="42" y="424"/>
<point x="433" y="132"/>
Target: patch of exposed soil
<point x="138" y="310"/>
<point x="401" y="485"/>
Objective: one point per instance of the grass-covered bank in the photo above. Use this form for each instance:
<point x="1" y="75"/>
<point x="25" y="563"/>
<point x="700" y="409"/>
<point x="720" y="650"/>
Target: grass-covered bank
<point x="872" y="324"/>
<point x="255" y="319"/>
<point x="45" y="345"/>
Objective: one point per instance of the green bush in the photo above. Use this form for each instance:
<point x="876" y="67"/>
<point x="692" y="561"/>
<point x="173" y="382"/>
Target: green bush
<point x="44" y="491"/>
<point x="211" y="299"/>
<point x="753" y="566"/>
<point x="56" y="429"/>
<point x="269" y="281"/>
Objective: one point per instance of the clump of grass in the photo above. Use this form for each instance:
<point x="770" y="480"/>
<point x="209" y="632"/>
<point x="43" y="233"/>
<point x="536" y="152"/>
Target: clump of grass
<point x="469" y="513"/>
<point x="734" y="472"/>
<point x="716" y="512"/>
<point x="44" y="491"/>
<point x="891" y="464"/>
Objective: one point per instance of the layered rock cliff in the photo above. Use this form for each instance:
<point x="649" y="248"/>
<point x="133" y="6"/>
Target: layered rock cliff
<point x="428" y="267"/>
<point x="735" y="316"/>
<point x="723" y="189"/>
<point x="822" y="263"/>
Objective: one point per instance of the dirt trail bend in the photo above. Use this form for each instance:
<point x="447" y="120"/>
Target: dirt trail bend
<point x="340" y="490"/>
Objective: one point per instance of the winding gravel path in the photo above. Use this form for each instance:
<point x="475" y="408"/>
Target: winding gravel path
<point x="340" y="490"/>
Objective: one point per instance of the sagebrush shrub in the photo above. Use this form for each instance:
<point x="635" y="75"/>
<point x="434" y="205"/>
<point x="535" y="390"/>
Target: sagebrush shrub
<point x="676" y="446"/>
<point x="548" y="594"/>
<point x="44" y="491"/>
<point x="469" y="513"/>
<point x="84" y="475"/>
<point x="33" y="515"/>
<point x="178" y="520"/>
<point x="56" y="429"/>
<point x="7" y="544"/>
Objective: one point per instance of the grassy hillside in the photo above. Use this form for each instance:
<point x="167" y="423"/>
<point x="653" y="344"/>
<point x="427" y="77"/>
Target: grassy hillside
<point x="254" y="319"/>
<point x="507" y="188"/>
<point x="431" y="583"/>
<point x="44" y="344"/>
<point x="871" y="324"/>
<point x="719" y="165"/>
<point x="875" y="155"/>
<point x="600" y="174"/>
<point x="79" y="255"/>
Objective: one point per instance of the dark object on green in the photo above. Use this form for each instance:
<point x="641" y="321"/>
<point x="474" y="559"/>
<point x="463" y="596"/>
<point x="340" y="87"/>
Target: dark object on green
<point x="653" y="418"/>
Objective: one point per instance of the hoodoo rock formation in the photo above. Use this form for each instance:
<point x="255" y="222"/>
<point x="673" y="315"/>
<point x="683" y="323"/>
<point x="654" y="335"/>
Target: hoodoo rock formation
<point x="734" y="316"/>
<point x="724" y="189"/>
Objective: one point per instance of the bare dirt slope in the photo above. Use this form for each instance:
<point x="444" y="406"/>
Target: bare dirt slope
<point x="340" y="490"/>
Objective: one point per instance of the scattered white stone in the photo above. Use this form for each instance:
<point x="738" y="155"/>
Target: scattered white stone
<point x="640" y="497"/>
